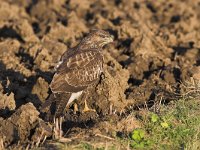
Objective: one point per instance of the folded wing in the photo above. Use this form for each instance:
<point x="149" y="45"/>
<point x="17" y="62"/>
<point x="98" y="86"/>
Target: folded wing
<point x="78" y="71"/>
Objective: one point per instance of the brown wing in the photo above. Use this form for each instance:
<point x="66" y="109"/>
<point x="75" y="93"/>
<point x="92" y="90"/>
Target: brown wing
<point x="78" y="71"/>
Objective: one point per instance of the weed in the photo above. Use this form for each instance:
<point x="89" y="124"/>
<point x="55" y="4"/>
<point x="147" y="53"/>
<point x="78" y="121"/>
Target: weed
<point x="177" y="126"/>
<point x="138" y="137"/>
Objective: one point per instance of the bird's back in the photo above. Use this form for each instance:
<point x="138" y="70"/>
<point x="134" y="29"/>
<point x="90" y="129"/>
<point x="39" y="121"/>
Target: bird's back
<point x="77" y="71"/>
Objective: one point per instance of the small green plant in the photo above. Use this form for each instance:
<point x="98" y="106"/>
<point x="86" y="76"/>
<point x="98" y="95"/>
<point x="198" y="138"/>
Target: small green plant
<point x="159" y="120"/>
<point x="175" y="127"/>
<point x="154" y="118"/>
<point x="164" y="124"/>
<point x="138" y="137"/>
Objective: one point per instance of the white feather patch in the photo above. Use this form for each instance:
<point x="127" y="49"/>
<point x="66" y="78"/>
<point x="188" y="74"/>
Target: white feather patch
<point x="74" y="96"/>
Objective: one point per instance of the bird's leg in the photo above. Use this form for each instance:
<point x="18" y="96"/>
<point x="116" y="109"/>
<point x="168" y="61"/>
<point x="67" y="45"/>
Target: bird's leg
<point x="75" y="108"/>
<point x="85" y="96"/>
<point x="86" y="108"/>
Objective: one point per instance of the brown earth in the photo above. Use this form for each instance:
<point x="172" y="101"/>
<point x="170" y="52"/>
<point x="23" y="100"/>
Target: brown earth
<point x="157" y="47"/>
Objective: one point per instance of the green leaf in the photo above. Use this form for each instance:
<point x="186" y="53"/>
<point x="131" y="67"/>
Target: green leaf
<point x="141" y="133"/>
<point x="164" y="124"/>
<point x="135" y="136"/>
<point x="154" y="118"/>
<point x="138" y="135"/>
<point x="133" y="144"/>
<point x="148" y="142"/>
<point x="140" y="145"/>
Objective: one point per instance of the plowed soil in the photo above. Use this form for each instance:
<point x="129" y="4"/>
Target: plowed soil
<point x="156" y="48"/>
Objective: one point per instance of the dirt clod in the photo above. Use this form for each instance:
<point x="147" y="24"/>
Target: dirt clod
<point x="6" y="101"/>
<point x="18" y="126"/>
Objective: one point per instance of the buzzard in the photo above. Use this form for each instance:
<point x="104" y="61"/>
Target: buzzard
<point x="78" y="71"/>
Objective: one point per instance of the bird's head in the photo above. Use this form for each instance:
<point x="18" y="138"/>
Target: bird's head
<point x="96" y="39"/>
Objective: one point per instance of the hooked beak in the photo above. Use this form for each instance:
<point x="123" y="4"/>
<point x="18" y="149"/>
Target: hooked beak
<point x="112" y="38"/>
<point x="109" y="39"/>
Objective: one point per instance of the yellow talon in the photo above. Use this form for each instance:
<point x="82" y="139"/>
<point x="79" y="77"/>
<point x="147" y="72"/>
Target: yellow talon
<point x="86" y="108"/>
<point x="75" y="108"/>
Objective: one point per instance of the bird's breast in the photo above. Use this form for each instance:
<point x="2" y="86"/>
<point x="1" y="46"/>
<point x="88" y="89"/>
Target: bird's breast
<point x="74" y="96"/>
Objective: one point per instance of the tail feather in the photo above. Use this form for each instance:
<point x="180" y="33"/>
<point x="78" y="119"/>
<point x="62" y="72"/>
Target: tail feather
<point x="46" y="105"/>
<point x="61" y="103"/>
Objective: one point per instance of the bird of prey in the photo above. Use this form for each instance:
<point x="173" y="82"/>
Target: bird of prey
<point x="78" y="70"/>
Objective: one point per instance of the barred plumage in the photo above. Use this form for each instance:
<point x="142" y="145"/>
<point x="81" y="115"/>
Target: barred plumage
<point x="79" y="68"/>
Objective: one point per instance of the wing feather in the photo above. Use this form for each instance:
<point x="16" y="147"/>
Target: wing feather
<point x="78" y="71"/>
